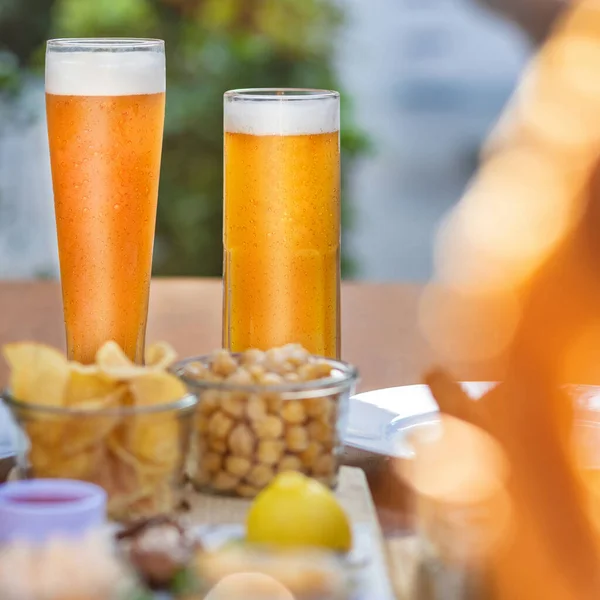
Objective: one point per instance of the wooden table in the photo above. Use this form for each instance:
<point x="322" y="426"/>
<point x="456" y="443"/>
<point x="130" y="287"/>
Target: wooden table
<point x="379" y="334"/>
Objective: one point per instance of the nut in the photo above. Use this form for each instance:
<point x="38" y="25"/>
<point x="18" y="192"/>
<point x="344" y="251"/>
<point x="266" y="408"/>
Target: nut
<point x="241" y="441"/>
<point x="316" y="370"/>
<point x="233" y="405"/>
<point x="208" y="402"/>
<point x="289" y="462"/>
<point x="252" y="357"/>
<point x="260" y="475"/>
<point x="321" y="432"/>
<point x="276" y="361"/>
<point x="222" y="363"/>
<point x="257" y="371"/>
<point x="293" y="412"/>
<point x="219" y="425"/>
<point x="274" y="403"/>
<point x="312" y="452"/>
<point x="270" y="379"/>
<point x="196" y="370"/>
<point x="296" y="354"/>
<point x="270" y="451"/>
<point x="237" y="465"/>
<point x="271" y="427"/>
<point x="240" y="377"/>
<point x="296" y="438"/>
<point x="256" y="407"/>
<point x="315" y="407"/>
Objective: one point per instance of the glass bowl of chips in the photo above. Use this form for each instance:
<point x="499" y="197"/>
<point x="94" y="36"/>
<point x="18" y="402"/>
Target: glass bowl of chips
<point x="263" y="413"/>
<point x="124" y="427"/>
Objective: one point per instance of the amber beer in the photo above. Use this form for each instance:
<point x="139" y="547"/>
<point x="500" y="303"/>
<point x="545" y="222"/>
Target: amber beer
<point x="282" y="220"/>
<point x="105" y="103"/>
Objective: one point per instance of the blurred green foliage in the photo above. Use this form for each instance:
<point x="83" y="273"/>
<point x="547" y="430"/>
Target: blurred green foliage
<point x="212" y="46"/>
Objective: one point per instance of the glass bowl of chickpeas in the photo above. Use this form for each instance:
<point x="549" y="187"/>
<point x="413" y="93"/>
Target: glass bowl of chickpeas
<point x="263" y="413"/>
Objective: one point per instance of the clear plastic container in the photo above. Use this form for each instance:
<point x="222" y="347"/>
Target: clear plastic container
<point x="247" y="433"/>
<point x="136" y="453"/>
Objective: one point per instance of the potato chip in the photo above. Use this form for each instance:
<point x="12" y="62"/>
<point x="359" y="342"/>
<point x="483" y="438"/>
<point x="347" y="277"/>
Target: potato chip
<point x="84" y="431"/>
<point x="47" y="432"/>
<point x="52" y="462"/>
<point x="153" y="442"/>
<point x="122" y="483"/>
<point x="160" y="355"/>
<point x="117" y="447"/>
<point x="38" y="373"/>
<point x="156" y="387"/>
<point x="114" y="364"/>
<point x="110" y="355"/>
<point x="87" y="382"/>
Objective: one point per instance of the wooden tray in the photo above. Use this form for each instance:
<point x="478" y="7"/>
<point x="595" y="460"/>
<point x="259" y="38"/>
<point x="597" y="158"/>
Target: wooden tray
<point x="354" y="495"/>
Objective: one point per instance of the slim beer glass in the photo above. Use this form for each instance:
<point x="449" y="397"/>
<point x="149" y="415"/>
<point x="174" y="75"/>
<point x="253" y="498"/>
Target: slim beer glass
<point x="282" y="220"/>
<point x="105" y="103"/>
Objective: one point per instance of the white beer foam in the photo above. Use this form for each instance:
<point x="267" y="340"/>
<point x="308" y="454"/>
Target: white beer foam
<point x="105" y="73"/>
<point x="285" y="117"/>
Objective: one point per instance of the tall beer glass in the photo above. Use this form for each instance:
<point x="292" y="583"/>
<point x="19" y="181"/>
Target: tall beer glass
<point x="105" y="102"/>
<point x="282" y="220"/>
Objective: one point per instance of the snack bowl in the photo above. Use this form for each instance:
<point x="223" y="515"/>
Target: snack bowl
<point x="262" y="413"/>
<point x="136" y="453"/>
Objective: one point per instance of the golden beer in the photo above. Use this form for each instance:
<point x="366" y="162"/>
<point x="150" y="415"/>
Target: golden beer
<point x="105" y="104"/>
<point x="282" y="220"/>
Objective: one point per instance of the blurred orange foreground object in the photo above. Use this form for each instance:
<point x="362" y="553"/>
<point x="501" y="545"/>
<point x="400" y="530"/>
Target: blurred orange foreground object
<point x="518" y="285"/>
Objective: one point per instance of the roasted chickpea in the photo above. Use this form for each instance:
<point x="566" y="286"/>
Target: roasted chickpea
<point x="232" y="405"/>
<point x="289" y="462"/>
<point x="252" y="357"/>
<point x="219" y="425"/>
<point x="296" y="438"/>
<point x="293" y="412"/>
<point x="271" y="427"/>
<point x="313" y="451"/>
<point x="209" y="402"/>
<point x="260" y="475"/>
<point x="223" y="363"/>
<point x="237" y="465"/>
<point x="270" y="451"/>
<point x="241" y="441"/>
<point x="321" y="432"/>
<point x="256" y="407"/>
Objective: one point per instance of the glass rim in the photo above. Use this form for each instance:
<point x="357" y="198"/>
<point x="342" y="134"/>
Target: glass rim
<point x="104" y="44"/>
<point x="279" y="94"/>
<point x="294" y="390"/>
<point x="183" y="404"/>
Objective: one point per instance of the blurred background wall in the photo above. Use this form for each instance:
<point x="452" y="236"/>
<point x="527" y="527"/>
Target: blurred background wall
<point x="422" y="82"/>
